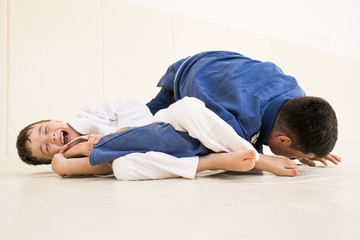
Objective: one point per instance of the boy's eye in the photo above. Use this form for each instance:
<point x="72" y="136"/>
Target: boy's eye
<point x="46" y="129"/>
<point x="47" y="147"/>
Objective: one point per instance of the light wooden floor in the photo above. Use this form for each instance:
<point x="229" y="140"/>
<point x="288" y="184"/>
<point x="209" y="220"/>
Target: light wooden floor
<point x="320" y="203"/>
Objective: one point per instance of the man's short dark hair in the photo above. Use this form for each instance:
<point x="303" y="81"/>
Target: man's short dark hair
<point x="24" y="152"/>
<point x="311" y="124"/>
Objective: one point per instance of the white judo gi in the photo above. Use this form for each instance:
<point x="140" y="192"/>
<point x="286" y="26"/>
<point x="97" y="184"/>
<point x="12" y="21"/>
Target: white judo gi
<point x="187" y="115"/>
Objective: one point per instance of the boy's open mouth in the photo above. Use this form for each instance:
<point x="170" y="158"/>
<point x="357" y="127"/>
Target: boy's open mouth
<point x="64" y="137"/>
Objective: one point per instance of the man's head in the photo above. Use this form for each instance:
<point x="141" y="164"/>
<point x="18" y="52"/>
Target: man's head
<point x="304" y="127"/>
<point x="38" y="142"/>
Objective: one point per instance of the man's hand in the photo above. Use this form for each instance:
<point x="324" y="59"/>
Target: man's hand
<point x="331" y="157"/>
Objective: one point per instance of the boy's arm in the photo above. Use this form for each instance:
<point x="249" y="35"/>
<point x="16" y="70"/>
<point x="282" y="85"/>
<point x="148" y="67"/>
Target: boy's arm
<point x="117" y="113"/>
<point x="77" y="166"/>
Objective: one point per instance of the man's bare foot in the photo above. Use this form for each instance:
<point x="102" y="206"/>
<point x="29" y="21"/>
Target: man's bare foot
<point x="279" y="166"/>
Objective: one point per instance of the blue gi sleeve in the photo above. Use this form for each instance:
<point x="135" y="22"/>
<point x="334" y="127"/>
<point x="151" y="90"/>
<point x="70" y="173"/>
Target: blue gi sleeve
<point x="160" y="137"/>
<point x="162" y="100"/>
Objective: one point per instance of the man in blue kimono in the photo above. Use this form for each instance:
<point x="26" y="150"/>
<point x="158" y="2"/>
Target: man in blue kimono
<point x="261" y="103"/>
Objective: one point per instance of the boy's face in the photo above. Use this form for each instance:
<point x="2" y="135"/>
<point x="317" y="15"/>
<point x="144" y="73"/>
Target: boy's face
<point x="48" y="138"/>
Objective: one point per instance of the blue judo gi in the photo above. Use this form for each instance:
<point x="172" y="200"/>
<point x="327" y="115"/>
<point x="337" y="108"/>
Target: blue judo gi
<point x="160" y="137"/>
<point x="246" y="93"/>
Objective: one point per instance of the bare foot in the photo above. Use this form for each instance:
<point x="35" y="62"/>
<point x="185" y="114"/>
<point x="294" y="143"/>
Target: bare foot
<point x="279" y="166"/>
<point x="229" y="161"/>
<point x="239" y="161"/>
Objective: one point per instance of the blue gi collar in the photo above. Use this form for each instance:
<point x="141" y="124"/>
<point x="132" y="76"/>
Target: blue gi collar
<point x="268" y="120"/>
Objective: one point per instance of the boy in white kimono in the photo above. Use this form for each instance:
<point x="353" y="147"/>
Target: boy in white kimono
<point x="45" y="139"/>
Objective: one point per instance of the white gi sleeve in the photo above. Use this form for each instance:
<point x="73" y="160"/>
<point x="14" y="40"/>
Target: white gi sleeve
<point x="154" y="165"/>
<point x="190" y="115"/>
<point x="117" y="113"/>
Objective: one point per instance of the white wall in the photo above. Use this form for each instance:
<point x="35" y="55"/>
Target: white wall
<point x="3" y="78"/>
<point x="61" y="54"/>
<point x="329" y="25"/>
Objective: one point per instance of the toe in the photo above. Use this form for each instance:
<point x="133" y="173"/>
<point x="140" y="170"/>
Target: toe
<point x="290" y="165"/>
<point x="293" y="172"/>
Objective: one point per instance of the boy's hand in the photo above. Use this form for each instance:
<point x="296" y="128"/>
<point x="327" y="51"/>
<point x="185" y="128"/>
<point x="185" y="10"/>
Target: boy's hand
<point x="94" y="139"/>
<point x="122" y="129"/>
<point x="81" y="149"/>
<point x="331" y="157"/>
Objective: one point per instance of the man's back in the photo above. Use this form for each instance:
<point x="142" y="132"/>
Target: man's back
<point x="246" y="93"/>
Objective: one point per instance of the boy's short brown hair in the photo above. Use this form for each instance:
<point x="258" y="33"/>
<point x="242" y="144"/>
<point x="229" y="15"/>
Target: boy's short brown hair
<point x="24" y="152"/>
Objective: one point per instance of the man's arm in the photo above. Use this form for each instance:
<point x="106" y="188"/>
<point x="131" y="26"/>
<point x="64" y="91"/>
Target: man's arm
<point x="162" y="100"/>
<point x="77" y="166"/>
<point x="331" y="157"/>
<point x="75" y="161"/>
